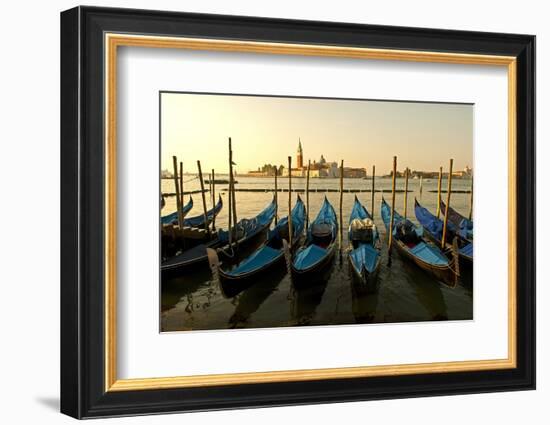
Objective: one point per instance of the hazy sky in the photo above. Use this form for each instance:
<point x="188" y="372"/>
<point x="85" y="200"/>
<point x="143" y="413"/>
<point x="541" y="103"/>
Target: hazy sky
<point x="266" y="130"/>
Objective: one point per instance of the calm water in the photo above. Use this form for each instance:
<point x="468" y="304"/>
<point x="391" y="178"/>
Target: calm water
<point x="406" y="293"/>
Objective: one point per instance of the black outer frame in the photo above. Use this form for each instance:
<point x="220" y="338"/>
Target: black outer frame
<point x="82" y="208"/>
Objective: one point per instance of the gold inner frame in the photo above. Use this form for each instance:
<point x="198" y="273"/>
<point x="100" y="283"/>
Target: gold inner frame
<point x="113" y="41"/>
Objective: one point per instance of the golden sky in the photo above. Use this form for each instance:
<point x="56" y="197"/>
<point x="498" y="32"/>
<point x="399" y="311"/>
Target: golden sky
<point x="266" y="130"/>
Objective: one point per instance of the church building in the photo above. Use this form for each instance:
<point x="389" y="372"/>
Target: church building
<point x="321" y="168"/>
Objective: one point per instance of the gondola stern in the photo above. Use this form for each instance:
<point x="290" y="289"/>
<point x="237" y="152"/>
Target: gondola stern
<point x="214" y="263"/>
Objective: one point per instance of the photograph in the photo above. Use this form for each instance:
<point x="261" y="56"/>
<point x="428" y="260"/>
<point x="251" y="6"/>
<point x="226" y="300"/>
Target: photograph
<point x="233" y="169"/>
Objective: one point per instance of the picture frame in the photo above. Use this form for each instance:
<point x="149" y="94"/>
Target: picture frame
<point x="90" y="39"/>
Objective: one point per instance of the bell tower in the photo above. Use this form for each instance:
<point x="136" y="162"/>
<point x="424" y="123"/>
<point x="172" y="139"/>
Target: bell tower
<point x="300" y="156"/>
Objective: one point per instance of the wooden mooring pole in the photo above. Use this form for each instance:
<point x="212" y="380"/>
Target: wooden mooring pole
<point x="210" y="181"/>
<point x="290" y="202"/>
<point x="392" y="207"/>
<point x="181" y="185"/>
<point x="276" y="196"/>
<point x="406" y="190"/>
<point x="448" y="204"/>
<point x="229" y="207"/>
<point x="341" y="202"/>
<point x="232" y="184"/>
<point x="471" y="199"/>
<point x="307" y="193"/>
<point x="372" y="193"/>
<point x="213" y="201"/>
<point x="178" y="194"/>
<point x="205" y="209"/>
<point x="439" y="191"/>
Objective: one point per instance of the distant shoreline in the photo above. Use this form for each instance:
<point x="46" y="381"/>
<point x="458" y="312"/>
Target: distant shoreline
<point x="323" y="178"/>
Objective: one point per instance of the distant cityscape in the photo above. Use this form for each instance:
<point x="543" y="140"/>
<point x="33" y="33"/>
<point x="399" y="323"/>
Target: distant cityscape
<point x="326" y="169"/>
<point x="466" y="173"/>
<point x="317" y="169"/>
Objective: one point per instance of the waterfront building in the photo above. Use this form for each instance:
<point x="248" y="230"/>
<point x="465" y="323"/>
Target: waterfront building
<point x="321" y="169"/>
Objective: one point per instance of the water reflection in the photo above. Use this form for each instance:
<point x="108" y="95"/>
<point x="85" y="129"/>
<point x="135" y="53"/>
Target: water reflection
<point x="304" y="301"/>
<point x="363" y="304"/>
<point x="178" y="288"/>
<point x="249" y="301"/>
<point x="429" y="294"/>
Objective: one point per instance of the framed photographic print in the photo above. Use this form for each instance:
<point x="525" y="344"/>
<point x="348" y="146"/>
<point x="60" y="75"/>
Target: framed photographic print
<point x="261" y="212"/>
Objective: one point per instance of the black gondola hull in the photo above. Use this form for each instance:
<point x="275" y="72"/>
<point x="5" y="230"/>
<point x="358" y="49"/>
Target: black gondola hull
<point x="234" y="285"/>
<point x="316" y="274"/>
<point x="200" y="260"/>
<point x="365" y="281"/>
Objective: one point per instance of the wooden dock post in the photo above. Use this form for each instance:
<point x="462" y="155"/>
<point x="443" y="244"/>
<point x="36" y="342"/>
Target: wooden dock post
<point x="232" y="185"/>
<point x="234" y="203"/>
<point x="439" y="191"/>
<point x="276" y="196"/>
<point x="307" y="193"/>
<point x="212" y="196"/>
<point x="341" y="201"/>
<point x="448" y="204"/>
<point x="206" y="226"/>
<point x="372" y="193"/>
<point x="471" y="199"/>
<point x="421" y="179"/>
<point x="178" y="194"/>
<point x="181" y="185"/>
<point x="392" y="207"/>
<point x="210" y="186"/>
<point x="406" y="190"/>
<point x="290" y="202"/>
<point x="213" y="201"/>
<point x="229" y="209"/>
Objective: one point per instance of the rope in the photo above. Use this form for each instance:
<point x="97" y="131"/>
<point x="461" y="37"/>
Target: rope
<point x="190" y="180"/>
<point x="226" y="253"/>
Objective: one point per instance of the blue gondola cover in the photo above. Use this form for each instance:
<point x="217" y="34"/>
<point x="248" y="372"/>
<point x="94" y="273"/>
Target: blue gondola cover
<point x="313" y="254"/>
<point x="266" y="254"/>
<point x="365" y="255"/>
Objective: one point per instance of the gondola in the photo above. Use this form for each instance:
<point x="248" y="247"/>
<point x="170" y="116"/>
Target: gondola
<point x="265" y="258"/>
<point x="409" y="242"/>
<point x="312" y="261"/>
<point x="198" y="220"/>
<point x="174" y="239"/>
<point x="433" y="229"/>
<point x="364" y="241"/>
<point x="465" y="225"/>
<point x="173" y="217"/>
<point x="248" y="232"/>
